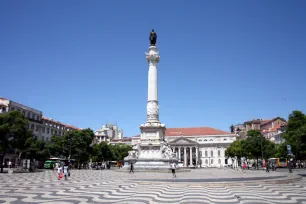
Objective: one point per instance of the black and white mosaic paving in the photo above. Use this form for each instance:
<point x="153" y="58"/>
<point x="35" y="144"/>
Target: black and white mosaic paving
<point x="87" y="186"/>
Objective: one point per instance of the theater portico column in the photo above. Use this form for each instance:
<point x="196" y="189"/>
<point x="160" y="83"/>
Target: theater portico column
<point x="185" y="156"/>
<point x="190" y="155"/>
<point x="179" y="150"/>
<point x="197" y="156"/>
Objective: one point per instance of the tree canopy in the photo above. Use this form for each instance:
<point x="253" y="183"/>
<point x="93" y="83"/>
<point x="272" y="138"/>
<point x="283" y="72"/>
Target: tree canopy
<point x="295" y="134"/>
<point x="105" y="152"/>
<point x="254" y="146"/>
<point x="76" y="143"/>
<point x="14" y="132"/>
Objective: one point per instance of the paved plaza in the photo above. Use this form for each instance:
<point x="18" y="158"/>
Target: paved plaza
<point x="196" y="186"/>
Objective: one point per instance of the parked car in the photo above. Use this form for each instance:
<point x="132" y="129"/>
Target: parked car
<point x="49" y="164"/>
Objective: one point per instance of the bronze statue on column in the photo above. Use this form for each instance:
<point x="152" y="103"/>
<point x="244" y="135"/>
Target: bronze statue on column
<point x="153" y="38"/>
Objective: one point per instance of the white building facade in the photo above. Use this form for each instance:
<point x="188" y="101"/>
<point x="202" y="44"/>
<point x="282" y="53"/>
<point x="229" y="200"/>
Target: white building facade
<point x="198" y="147"/>
<point x="107" y="133"/>
<point x="42" y="127"/>
<point x="52" y="127"/>
<point x="34" y="116"/>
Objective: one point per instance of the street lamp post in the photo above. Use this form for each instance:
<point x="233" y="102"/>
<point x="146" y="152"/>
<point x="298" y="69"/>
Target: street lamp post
<point x="69" y="147"/>
<point x="261" y="151"/>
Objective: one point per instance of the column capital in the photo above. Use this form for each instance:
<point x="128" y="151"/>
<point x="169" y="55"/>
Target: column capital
<point x="153" y="55"/>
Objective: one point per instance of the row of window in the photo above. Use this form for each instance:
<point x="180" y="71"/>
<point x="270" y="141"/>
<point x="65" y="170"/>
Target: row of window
<point x="34" y="116"/>
<point x="47" y="130"/>
<point x="205" y="140"/>
<point x="212" y="161"/>
<point x="211" y="153"/>
<point x="55" y="125"/>
<point x="29" y="115"/>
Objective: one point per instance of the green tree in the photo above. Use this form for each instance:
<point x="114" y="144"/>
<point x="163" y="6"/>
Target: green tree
<point x="56" y="146"/>
<point x="38" y="150"/>
<point x="102" y="152"/>
<point x="23" y="144"/>
<point x="76" y="144"/>
<point x="235" y="149"/>
<point x="281" y="150"/>
<point x="13" y="129"/>
<point x="295" y="134"/>
<point x="119" y="151"/>
<point x="257" y="146"/>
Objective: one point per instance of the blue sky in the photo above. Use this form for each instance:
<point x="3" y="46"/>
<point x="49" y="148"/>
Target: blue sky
<point x="222" y="62"/>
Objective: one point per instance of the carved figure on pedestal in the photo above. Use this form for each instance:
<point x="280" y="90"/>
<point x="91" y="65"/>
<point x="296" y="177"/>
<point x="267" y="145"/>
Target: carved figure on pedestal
<point x="167" y="151"/>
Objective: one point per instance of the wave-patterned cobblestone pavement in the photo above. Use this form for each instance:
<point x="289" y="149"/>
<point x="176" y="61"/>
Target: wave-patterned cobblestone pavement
<point x="113" y="187"/>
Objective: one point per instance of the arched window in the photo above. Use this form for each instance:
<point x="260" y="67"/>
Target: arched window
<point x="224" y="139"/>
<point x="219" y="153"/>
<point x="212" y="161"/>
<point x="205" y="140"/>
<point x="211" y="140"/>
<point x="205" y="153"/>
<point x="206" y="161"/>
<point x="211" y="153"/>
<point x="219" y="161"/>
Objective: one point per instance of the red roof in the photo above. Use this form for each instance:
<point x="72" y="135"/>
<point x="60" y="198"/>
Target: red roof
<point x="194" y="131"/>
<point x="122" y="140"/>
<point x="264" y="121"/>
<point x="274" y="129"/>
<point x="59" y="123"/>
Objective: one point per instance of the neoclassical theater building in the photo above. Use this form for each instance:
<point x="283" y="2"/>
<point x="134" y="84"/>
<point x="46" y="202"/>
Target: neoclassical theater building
<point x="198" y="146"/>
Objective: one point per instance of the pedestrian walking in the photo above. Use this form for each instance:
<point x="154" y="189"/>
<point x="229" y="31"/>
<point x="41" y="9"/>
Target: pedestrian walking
<point x="273" y="166"/>
<point x="10" y="164"/>
<point x="244" y="167"/>
<point x="267" y="167"/>
<point x="173" y="167"/>
<point x="132" y="167"/>
<point x="290" y="164"/>
<point x="59" y="172"/>
<point x="66" y="171"/>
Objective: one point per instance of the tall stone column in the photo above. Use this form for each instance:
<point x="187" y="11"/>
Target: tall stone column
<point x="190" y="152"/>
<point x="152" y="105"/>
<point x="153" y="151"/>
<point x="185" y="157"/>
<point x="179" y="150"/>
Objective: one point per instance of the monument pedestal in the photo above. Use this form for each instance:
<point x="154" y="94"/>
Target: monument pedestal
<point x="154" y="152"/>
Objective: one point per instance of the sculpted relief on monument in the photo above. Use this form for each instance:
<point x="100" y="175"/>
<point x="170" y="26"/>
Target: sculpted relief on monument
<point x="152" y="109"/>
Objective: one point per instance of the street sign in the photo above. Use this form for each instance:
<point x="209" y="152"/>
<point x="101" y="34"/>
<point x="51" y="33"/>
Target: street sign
<point x="289" y="149"/>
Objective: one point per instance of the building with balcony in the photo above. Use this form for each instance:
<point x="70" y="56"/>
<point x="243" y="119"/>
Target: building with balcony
<point x="42" y="127"/>
<point x="107" y="133"/>
<point x="33" y="115"/>
<point x="52" y="127"/>
<point x="271" y="129"/>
